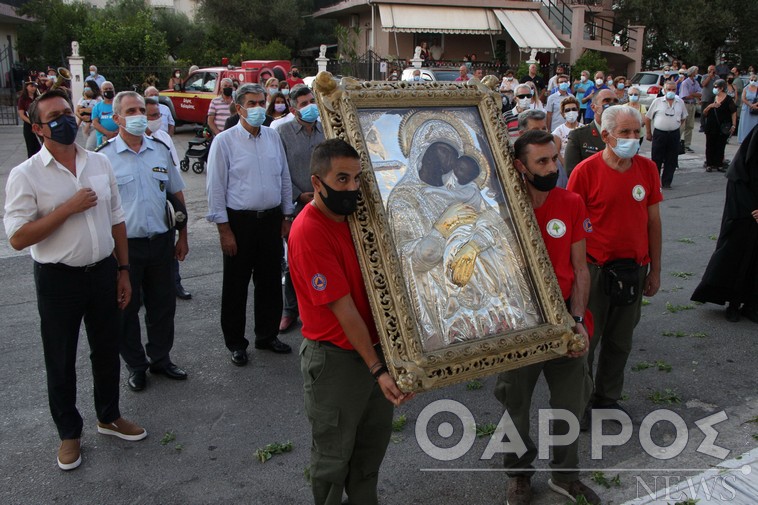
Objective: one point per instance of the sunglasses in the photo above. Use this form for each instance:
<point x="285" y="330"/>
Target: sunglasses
<point x="524" y="96"/>
<point x="572" y="109"/>
<point x="634" y="94"/>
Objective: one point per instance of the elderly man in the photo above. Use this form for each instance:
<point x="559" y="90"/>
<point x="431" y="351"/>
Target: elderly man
<point x="63" y="204"/>
<point x="622" y="193"/>
<point x="250" y="201"/>
<point x="707" y="97"/>
<point x="586" y="140"/>
<point x="416" y="77"/>
<point x="168" y="124"/>
<point x="464" y="74"/>
<point x="532" y="119"/>
<point x="93" y="75"/>
<point x="537" y="79"/>
<point x="102" y="114"/>
<point x="218" y="110"/>
<point x="523" y="98"/>
<point x="554" y="117"/>
<point x="299" y="137"/>
<point x="690" y="92"/>
<point x="589" y="96"/>
<point x="663" y="120"/>
<point x="552" y="84"/>
<point x="536" y="157"/>
<point x="146" y="175"/>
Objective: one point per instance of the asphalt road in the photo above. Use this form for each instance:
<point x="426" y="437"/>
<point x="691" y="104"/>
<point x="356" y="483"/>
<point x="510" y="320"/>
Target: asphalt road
<point x="203" y="433"/>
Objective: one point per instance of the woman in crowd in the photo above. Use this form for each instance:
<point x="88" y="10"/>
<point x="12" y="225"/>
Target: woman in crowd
<point x="570" y="112"/>
<point x="536" y="102"/>
<point x="90" y="98"/>
<point x="634" y="102"/>
<point x="28" y="94"/>
<point x="278" y="106"/>
<point x="284" y="88"/>
<point x="619" y="84"/>
<point x="720" y="120"/>
<point x="272" y="87"/>
<point x="176" y="80"/>
<point x="732" y="273"/>
<point x="749" y="115"/>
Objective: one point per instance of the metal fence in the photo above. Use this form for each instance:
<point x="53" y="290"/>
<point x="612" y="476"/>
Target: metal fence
<point x="8" y="95"/>
<point x="137" y="78"/>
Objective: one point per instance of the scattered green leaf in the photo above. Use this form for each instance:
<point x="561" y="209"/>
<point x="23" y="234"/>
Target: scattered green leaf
<point x="688" y="501"/>
<point x="168" y="437"/>
<point x="699" y="334"/>
<point x="677" y="334"/>
<point x="624" y="396"/>
<point x="686" y="240"/>
<point x="753" y="420"/>
<point x="645" y="302"/>
<point x="663" y="366"/>
<point x="697" y="303"/>
<point x="642" y="365"/>
<point x="580" y="500"/>
<point x="266" y="453"/>
<point x="179" y="447"/>
<point x="682" y="275"/>
<point x="713" y="237"/>
<point x="398" y="424"/>
<point x="669" y="396"/>
<point x="673" y="309"/>
<point x="485" y="430"/>
<point x="600" y="478"/>
<point x="396" y="438"/>
<point x="474" y="385"/>
<point x="307" y="473"/>
<point x="755" y="436"/>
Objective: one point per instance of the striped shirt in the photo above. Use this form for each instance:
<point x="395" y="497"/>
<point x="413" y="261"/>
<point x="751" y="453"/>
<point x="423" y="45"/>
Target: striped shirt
<point x="219" y="109"/>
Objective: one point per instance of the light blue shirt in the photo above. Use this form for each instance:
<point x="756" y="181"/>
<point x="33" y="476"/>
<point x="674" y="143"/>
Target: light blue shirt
<point x="143" y="179"/>
<point x="247" y="173"/>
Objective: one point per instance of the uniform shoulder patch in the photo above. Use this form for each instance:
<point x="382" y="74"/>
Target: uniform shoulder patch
<point x="319" y="282"/>
<point x="104" y="145"/>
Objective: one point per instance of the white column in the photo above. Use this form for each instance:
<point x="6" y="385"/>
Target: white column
<point x="76" y="67"/>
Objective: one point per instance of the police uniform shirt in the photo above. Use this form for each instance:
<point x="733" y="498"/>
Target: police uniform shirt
<point x="39" y="185"/>
<point x="143" y="179"/>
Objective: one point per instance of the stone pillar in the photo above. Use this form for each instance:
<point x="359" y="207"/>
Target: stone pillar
<point x="322" y="60"/>
<point x="76" y="67"/>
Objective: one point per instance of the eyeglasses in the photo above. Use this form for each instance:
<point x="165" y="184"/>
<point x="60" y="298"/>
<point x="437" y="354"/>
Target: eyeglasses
<point x="524" y="96"/>
<point x="634" y="94"/>
<point x="572" y="109"/>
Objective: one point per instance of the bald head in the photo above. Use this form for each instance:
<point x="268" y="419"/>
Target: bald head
<point x="151" y="91"/>
<point x="602" y="101"/>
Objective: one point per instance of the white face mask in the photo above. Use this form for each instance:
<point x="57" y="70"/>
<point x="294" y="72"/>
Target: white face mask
<point x="571" y="116"/>
<point x="583" y="78"/>
<point x="154" y="124"/>
<point x="599" y="82"/>
<point x="523" y="103"/>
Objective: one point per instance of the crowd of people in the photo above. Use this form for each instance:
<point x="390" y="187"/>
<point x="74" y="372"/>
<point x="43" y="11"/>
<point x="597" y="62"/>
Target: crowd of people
<point x="104" y="246"/>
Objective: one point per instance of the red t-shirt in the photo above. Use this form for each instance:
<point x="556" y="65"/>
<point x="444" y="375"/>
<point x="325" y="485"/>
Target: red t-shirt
<point x="324" y="268"/>
<point x="617" y="203"/>
<point x="563" y="221"/>
<point x="294" y="81"/>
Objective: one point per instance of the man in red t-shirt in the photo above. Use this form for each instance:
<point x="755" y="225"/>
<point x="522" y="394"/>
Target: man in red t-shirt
<point x="564" y="224"/>
<point x="349" y="395"/>
<point x="293" y="79"/>
<point x="621" y="191"/>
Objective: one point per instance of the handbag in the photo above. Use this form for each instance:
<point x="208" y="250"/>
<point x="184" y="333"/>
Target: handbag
<point x="754" y="112"/>
<point x="621" y="281"/>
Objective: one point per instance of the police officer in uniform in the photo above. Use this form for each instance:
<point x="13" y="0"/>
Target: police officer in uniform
<point x="585" y="141"/>
<point x="145" y="174"/>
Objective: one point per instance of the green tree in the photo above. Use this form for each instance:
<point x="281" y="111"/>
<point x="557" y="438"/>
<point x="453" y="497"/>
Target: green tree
<point x="589" y="60"/>
<point x="48" y="40"/>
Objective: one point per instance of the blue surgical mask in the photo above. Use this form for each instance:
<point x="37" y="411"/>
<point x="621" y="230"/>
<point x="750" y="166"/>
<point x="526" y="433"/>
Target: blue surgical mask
<point x="309" y="113"/>
<point x="634" y="98"/>
<point x="620" y="85"/>
<point x="136" y="125"/>
<point x="285" y="91"/>
<point x="87" y="88"/>
<point x="564" y="86"/>
<point x="670" y="95"/>
<point x="626" y="148"/>
<point x="715" y="91"/>
<point x="255" y="116"/>
<point x="416" y="77"/>
<point x="92" y="73"/>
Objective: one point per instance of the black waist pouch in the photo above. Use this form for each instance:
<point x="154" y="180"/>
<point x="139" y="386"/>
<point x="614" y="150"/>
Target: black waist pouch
<point x="621" y="281"/>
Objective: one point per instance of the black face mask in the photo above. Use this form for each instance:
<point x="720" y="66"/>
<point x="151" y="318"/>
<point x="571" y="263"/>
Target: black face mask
<point x="63" y="130"/>
<point x="109" y="94"/>
<point x="227" y="91"/>
<point x="544" y="182"/>
<point x="296" y="74"/>
<point x="342" y="203"/>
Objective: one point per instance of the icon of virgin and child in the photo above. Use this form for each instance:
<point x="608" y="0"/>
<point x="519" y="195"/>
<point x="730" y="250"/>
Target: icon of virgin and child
<point x="461" y="260"/>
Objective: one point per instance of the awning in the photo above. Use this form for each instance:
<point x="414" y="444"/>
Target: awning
<point x="528" y="30"/>
<point x="436" y="19"/>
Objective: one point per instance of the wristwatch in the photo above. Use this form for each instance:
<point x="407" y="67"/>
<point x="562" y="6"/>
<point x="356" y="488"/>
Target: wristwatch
<point x="578" y="319"/>
<point x="289" y="218"/>
<point x="124" y="268"/>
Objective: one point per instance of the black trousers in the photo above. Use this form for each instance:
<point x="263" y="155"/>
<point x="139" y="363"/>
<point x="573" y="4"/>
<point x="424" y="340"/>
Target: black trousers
<point x="152" y="278"/>
<point x="259" y="253"/>
<point x="65" y="296"/>
<point x="32" y="141"/>
<point x="665" y="153"/>
<point x="715" y="145"/>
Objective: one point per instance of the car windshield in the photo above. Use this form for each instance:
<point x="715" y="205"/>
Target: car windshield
<point x="446" y="75"/>
<point x="645" y="79"/>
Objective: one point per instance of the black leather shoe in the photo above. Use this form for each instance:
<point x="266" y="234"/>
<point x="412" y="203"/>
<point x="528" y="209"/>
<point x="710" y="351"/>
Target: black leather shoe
<point x="274" y="345"/>
<point x="182" y="293"/>
<point x="137" y="380"/>
<point x="171" y="371"/>
<point x="239" y="358"/>
<point x="733" y="312"/>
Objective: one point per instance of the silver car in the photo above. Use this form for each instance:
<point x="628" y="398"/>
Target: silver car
<point x="434" y="73"/>
<point x="650" y="83"/>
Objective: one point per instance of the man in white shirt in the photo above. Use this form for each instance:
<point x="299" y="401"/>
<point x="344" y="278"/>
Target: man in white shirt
<point x="250" y="200"/>
<point x="63" y="203"/>
<point x="662" y="122"/>
<point x="554" y="117"/>
<point x="168" y="124"/>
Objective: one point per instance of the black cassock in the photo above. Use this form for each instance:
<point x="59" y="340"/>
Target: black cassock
<point x="732" y="272"/>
